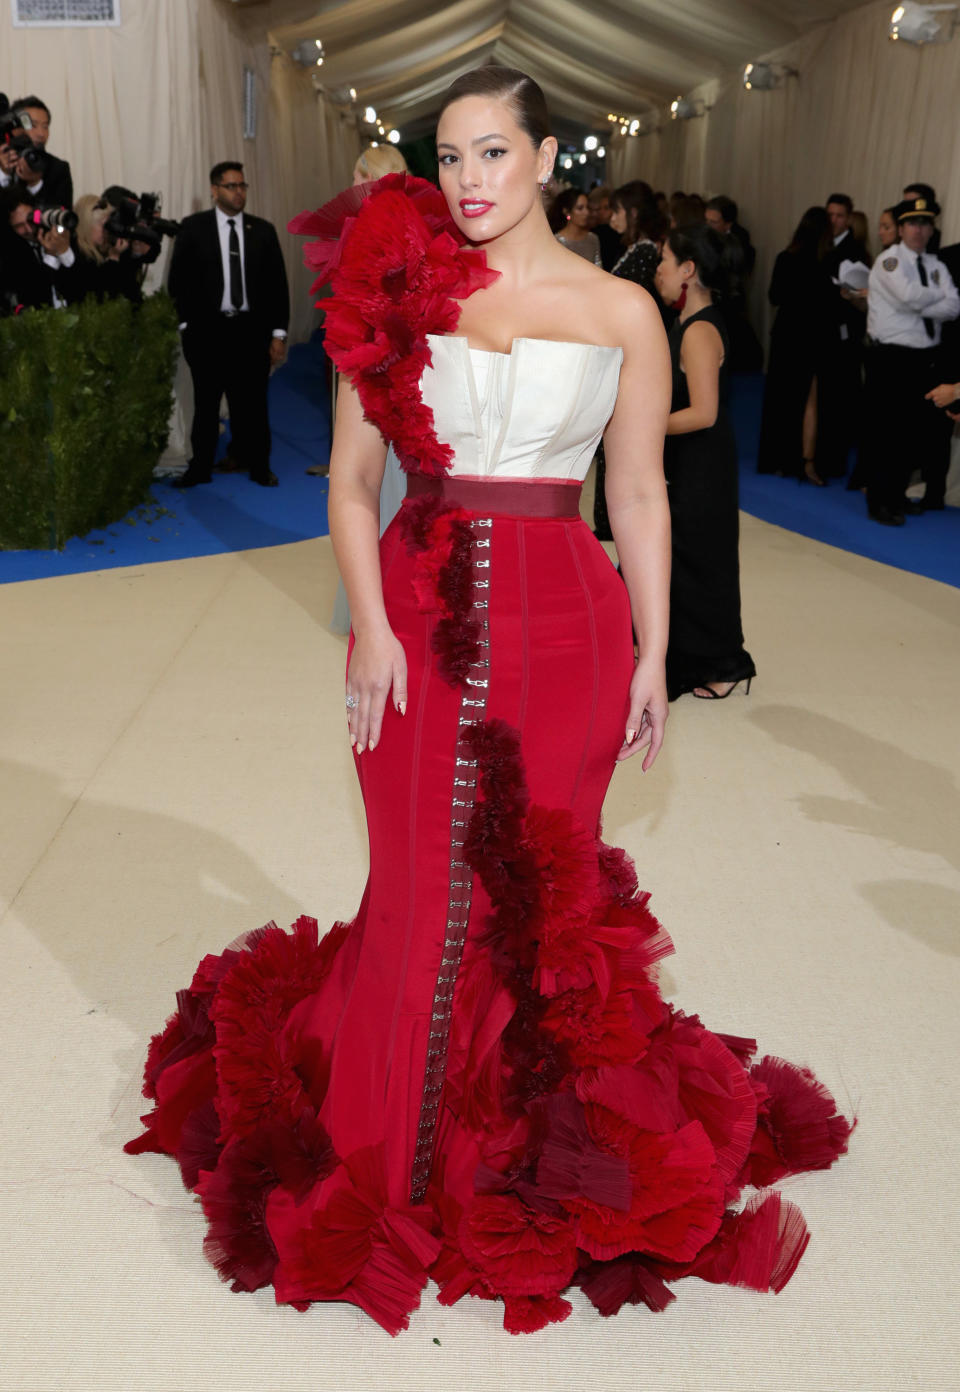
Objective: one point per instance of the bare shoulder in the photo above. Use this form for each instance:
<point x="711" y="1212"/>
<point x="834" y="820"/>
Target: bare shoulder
<point x="703" y="336"/>
<point x="626" y="314"/>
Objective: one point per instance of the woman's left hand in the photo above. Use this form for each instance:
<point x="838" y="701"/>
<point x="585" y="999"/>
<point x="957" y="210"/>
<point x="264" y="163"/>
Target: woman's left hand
<point x="648" y="713"/>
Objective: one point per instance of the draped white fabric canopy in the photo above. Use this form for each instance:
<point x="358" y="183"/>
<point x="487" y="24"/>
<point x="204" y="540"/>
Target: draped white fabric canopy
<point x="590" y="56"/>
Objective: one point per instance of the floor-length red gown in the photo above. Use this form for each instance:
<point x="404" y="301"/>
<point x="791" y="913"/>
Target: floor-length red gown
<point x="477" y="1081"/>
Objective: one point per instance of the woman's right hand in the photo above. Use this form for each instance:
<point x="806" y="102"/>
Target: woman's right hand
<point x="378" y="665"/>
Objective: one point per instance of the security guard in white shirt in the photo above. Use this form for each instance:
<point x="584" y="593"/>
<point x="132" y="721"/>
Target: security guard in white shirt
<point x="910" y="295"/>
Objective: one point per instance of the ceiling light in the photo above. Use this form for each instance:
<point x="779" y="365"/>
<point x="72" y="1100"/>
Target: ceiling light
<point x="685" y="108"/>
<point x="582" y="159"/>
<point x="370" y="116"/>
<point x="591" y="142"/>
<point x="602" y="152"/>
<point x="634" y="127"/>
<point x="353" y="94"/>
<point x="761" y="77"/>
<point x="394" y="137"/>
<point x="916" y="24"/>
<point x="758" y="77"/>
<point x="568" y="163"/>
<point x="309" y="53"/>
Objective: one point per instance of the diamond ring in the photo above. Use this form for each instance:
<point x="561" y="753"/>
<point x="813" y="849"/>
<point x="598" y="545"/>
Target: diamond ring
<point x="352" y="702"/>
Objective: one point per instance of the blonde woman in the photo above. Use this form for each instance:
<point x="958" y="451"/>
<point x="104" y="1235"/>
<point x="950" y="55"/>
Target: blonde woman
<point x="104" y="267"/>
<point x="374" y="163"/>
<point x="377" y="160"/>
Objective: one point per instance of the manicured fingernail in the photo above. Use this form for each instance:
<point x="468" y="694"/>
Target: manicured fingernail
<point x="631" y="736"/>
<point x="359" y="748"/>
<point x="402" y="707"/>
<point x="372" y="746"/>
<point x="353" y="740"/>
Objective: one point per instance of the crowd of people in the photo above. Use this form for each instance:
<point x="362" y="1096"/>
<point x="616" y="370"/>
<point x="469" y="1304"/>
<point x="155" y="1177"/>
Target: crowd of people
<point x="55" y="249"/>
<point x="865" y="354"/>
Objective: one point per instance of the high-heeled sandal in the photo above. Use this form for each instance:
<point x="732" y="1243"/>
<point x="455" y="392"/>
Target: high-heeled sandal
<point x="707" y="693"/>
<point x="810" y="474"/>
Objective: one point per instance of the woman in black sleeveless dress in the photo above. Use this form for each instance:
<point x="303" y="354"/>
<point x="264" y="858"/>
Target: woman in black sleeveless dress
<point x="706" y="653"/>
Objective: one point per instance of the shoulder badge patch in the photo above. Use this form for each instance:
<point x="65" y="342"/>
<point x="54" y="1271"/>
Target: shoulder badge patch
<point x="890" y="264"/>
<point x="936" y="277"/>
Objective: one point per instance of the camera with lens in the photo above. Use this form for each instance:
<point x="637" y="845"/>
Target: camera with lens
<point x="14" y="135"/>
<point x="138" y="220"/>
<point x="53" y="220"/>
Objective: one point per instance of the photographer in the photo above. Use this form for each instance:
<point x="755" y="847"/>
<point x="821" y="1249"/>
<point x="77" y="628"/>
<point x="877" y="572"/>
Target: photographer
<point x="106" y="266"/>
<point x="39" y="263"/>
<point x="43" y="175"/>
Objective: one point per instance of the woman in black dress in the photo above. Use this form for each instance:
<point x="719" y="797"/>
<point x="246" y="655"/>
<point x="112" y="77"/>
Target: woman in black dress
<point x="800" y="288"/>
<point x="705" y="653"/>
<point x="634" y="214"/>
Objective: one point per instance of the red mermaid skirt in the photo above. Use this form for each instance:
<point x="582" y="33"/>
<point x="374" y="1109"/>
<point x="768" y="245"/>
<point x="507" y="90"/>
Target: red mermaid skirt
<point x="477" y="1080"/>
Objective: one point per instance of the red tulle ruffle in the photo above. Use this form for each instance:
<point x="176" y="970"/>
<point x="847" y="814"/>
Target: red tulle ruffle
<point x="609" y="1135"/>
<point x="398" y="268"/>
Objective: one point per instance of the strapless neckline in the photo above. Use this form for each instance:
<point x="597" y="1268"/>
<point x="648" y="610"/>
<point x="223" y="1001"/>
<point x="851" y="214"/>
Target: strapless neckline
<point x="535" y="412"/>
<point x="523" y="338"/>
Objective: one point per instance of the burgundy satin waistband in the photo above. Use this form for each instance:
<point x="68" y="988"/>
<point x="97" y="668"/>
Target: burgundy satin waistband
<point x="511" y="497"/>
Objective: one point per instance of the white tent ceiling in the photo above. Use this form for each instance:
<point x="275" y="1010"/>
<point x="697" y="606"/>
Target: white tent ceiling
<point x="590" y="56"/>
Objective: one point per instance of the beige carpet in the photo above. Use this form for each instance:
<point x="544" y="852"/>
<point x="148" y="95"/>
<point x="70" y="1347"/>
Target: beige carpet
<point x="174" y="772"/>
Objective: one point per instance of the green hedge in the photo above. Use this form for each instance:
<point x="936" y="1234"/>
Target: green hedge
<point x="85" y="395"/>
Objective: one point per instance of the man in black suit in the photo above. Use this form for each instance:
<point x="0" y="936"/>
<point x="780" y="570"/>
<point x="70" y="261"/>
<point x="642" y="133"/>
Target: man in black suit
<point x="840" y="379"/>
<point x="47" y="179"/>
<point x="230" y="286"/>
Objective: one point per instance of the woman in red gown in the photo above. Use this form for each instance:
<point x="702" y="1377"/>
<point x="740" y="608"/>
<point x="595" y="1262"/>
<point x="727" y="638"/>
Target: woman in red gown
<point x="477" y="1081"/>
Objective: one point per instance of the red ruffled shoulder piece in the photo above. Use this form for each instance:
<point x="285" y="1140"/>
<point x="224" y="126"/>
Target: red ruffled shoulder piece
<point x="398" y="267"/>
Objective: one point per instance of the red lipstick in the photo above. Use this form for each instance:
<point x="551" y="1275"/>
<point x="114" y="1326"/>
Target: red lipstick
<point x="474" y="207"/>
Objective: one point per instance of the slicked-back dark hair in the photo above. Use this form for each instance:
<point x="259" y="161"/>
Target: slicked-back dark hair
<point x="843" y="199"/>
<point x="715" y="258"/>
<point x="524" y="97"/>
<point x="218" y="170"/>
<point x="924" y="190"/>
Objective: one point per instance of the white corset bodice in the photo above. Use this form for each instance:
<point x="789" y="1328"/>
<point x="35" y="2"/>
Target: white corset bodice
<point x="536" y="412"/>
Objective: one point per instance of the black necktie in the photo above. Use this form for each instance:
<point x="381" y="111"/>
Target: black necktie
<point x="922" y="272"/>
<point x="236" y="268"/>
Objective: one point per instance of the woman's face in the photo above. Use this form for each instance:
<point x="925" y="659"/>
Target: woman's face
<point x="672" y="275"/>
<point x="490" y="170"/>
<point x="618" y="219"/>
<point x="887" y="230"/>
<point x="580" y="213"/>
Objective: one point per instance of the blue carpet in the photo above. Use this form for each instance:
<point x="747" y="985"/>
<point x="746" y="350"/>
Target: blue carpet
<point x="927" y="545"/>
<point x="229" y="514"/>
<point x="233" y="514"/>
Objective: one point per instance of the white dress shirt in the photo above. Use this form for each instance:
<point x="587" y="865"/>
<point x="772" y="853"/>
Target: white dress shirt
<point x="223" y="227"/>
<point x="898" y="303"/>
